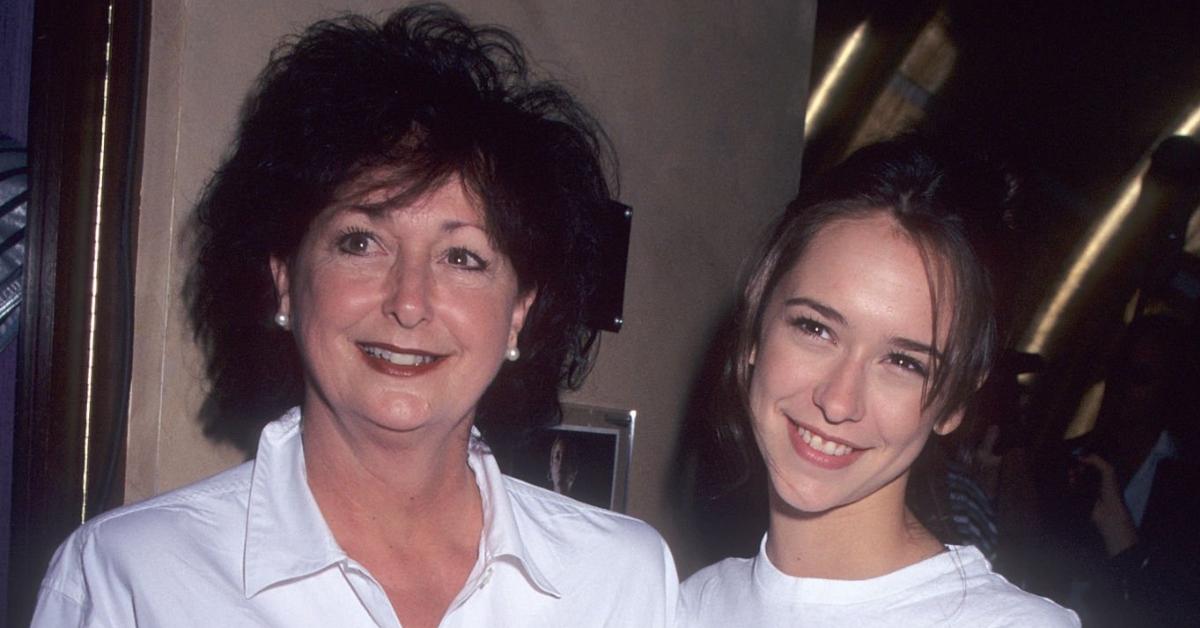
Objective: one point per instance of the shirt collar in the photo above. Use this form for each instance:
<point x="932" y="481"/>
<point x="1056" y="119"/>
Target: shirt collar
<point x="502" y="538"/>
<point x="958" y="562"/>
<point x="287" y="537"/>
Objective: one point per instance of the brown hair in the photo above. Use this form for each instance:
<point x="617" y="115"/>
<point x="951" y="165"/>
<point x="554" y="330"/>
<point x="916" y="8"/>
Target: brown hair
<point x="934" y="201"/>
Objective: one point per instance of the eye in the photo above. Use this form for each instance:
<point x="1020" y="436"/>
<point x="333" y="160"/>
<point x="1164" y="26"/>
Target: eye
<point x="355" y="241"/>
<point x="811" y="327"/>
<point x="909" y="363"/>
<point x="466" y="259"/>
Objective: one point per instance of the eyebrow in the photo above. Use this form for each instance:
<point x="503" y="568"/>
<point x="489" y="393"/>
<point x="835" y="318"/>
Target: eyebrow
<point x="916" y="347"/>
<point x="379" y="212"/>
<point x="369" y="210"/>
<point x="454" y="225"/>
<point x="821" y="308"/>
<point x="832" y="314"/>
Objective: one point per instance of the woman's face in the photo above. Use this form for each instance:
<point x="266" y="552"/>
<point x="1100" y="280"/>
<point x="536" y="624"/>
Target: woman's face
<point x="840" y="366"/>
<point x="401" y="316"/>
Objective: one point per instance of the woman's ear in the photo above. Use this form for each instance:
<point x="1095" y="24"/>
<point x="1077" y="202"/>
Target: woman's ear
<point x="279" y="273"/>
<point x="520" y="310"/>
<point x="950" y="424"/>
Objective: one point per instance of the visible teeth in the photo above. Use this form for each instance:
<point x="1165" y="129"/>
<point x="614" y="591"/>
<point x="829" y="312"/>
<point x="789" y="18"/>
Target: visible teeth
<point x="827" y="447"/>
<point x="401" y="359"/>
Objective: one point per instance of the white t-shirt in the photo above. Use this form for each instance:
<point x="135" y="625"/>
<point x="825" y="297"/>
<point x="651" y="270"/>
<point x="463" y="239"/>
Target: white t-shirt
<point x="249" y="547"/>
<point x="955" y="588"/>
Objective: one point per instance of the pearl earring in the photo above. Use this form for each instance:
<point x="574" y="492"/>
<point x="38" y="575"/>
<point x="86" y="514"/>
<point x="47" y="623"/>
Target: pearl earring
<point x="512" y="354"/>
<point x="283" y="320"/>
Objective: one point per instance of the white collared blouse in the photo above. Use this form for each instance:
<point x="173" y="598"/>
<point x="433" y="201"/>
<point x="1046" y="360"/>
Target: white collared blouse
<point x="249" y="547"/>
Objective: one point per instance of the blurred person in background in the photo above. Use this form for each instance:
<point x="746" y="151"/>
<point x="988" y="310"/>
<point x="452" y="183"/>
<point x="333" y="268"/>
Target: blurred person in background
<point x="1125" y="507"/>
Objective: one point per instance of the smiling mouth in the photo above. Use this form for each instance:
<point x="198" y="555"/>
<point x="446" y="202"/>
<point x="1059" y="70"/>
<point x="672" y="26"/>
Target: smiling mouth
<point x="824" y="445"/>
<point x="399" y="358"/>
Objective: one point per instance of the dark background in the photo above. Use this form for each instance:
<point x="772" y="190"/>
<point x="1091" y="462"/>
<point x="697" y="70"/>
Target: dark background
<point x="594" y="456"/>
<point x="16" y="31"/>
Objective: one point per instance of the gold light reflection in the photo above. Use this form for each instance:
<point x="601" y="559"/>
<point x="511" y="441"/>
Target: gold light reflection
<point x="93" y="297"/>
<point x="1192" y="241"/>
<point x="1131" y="307"/>
<point x="817" y="103"/>
<point x="927" y="65"/>
<point x="1087" y="412"/>
<point x="1048" y="317"/>
<point x="1191" y="124"/>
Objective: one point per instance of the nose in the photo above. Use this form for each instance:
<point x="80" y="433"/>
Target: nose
<point x="840" y="394"/>
<point x="410" y="289"/>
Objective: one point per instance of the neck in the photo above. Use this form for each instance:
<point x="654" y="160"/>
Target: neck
<point x="397" y="486"/>
<point x="865" y="539"/>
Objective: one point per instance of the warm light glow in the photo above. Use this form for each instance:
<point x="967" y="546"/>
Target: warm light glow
<point x="1087" y="412"/>
<point x="1191" y="243"/>
<point x="1191" y="124"/>
<point x="1102" y="234"/>
<point x="93" y="297"/>
<point x="1131" y="306"/>
<point x="817" y="102"/>
<point x="1048" y="316"/>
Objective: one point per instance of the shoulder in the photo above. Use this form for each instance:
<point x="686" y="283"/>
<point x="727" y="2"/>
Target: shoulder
<point x="731" y="572"/>
<point x="571" y="537"/>
<point x="591" y="555"/>
<point x="996" y="602"/>
<point x="562" y="518"/>
<point x="177" y="512"/>
<point x="719" y="594"/>
<point x="130" y="539"/>
<point x="729" y="577"/>
<point x="1011" y="606"/>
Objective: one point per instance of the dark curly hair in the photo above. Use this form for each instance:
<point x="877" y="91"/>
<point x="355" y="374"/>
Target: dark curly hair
<point x="424" y="96"/>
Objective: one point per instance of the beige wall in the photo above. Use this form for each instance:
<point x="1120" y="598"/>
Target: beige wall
<point x="704" y="100"/>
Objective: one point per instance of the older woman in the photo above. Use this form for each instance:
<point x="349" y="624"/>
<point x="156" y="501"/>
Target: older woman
<point x="399" y="246"/>
<point x="863" y="328"/>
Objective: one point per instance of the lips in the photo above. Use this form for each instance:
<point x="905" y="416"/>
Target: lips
<point x="821" y="449"/>
<point x="397" y="361"/>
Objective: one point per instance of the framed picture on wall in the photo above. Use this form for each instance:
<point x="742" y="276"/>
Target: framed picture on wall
<point x="586" y="457"/>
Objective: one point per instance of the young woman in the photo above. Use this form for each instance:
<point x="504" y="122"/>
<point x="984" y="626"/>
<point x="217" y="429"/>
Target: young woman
<point x="864" y="326"/>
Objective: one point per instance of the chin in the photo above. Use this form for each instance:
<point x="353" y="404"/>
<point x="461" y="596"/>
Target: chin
<point x="802" y="498"/>
<point x="400" y="413"/>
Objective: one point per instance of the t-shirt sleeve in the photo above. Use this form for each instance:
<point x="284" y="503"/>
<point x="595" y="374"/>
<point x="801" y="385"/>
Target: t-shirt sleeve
<point x="1045" y="615"/>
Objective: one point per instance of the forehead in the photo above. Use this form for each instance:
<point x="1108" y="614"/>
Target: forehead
<point x="378" y="193"/>
<point x="871" y="271"/>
